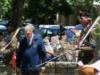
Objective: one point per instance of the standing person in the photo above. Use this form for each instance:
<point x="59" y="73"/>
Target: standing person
<point x="12" y="53"/>
<point x="31" y="52"/>
<point x="9" y="51"/>
<point x="85" y="24"/>
<point x="48" y="47"/>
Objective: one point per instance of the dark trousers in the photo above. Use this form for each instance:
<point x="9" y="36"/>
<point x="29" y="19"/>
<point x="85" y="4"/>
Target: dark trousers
<point x="24" y="72"/>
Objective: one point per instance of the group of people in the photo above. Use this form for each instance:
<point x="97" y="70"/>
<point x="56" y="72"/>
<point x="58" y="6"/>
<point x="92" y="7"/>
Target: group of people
<point x="35" y="49"/>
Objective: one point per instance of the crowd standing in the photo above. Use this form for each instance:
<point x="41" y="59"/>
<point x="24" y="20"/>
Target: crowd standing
<point x="34" y="48"/>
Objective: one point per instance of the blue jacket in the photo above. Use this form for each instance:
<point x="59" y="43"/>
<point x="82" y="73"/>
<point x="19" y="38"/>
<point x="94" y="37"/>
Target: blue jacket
<point x="28" y="57"/>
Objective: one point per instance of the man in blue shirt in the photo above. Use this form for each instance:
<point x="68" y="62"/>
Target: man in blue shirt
<point x="85" y="23"/>
<point x="31" y="52"/>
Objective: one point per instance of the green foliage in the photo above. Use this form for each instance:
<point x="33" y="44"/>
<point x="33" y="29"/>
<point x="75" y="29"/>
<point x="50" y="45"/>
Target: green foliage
<point x="97" y="29"/>
<point x="44" y="11"/>
<point x="96" y="32"/>
<point x="81" y="4"/>
<point x="5" y="5"/>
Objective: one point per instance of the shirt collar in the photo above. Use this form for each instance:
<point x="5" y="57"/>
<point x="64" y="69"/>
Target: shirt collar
<point x="30" y="40"/>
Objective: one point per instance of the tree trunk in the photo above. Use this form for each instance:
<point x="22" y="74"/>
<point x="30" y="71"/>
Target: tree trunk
<point x="17" y="11"/>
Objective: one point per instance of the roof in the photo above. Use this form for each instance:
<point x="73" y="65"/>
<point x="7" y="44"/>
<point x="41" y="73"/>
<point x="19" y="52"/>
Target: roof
<point x="2" y="27"/>
<point x="55" y="26"/>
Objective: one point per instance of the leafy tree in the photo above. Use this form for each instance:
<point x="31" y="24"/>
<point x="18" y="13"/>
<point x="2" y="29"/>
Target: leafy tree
<point x="81" y="4"/>
<point x="17" y="12"/>
<point x="5" y="5"/>
<point x="77" y="5"/>
<point x="44" y="11"/>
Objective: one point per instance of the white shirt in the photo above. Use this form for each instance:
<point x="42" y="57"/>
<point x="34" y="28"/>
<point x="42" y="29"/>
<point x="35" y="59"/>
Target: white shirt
<point x="30" y="40"/>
